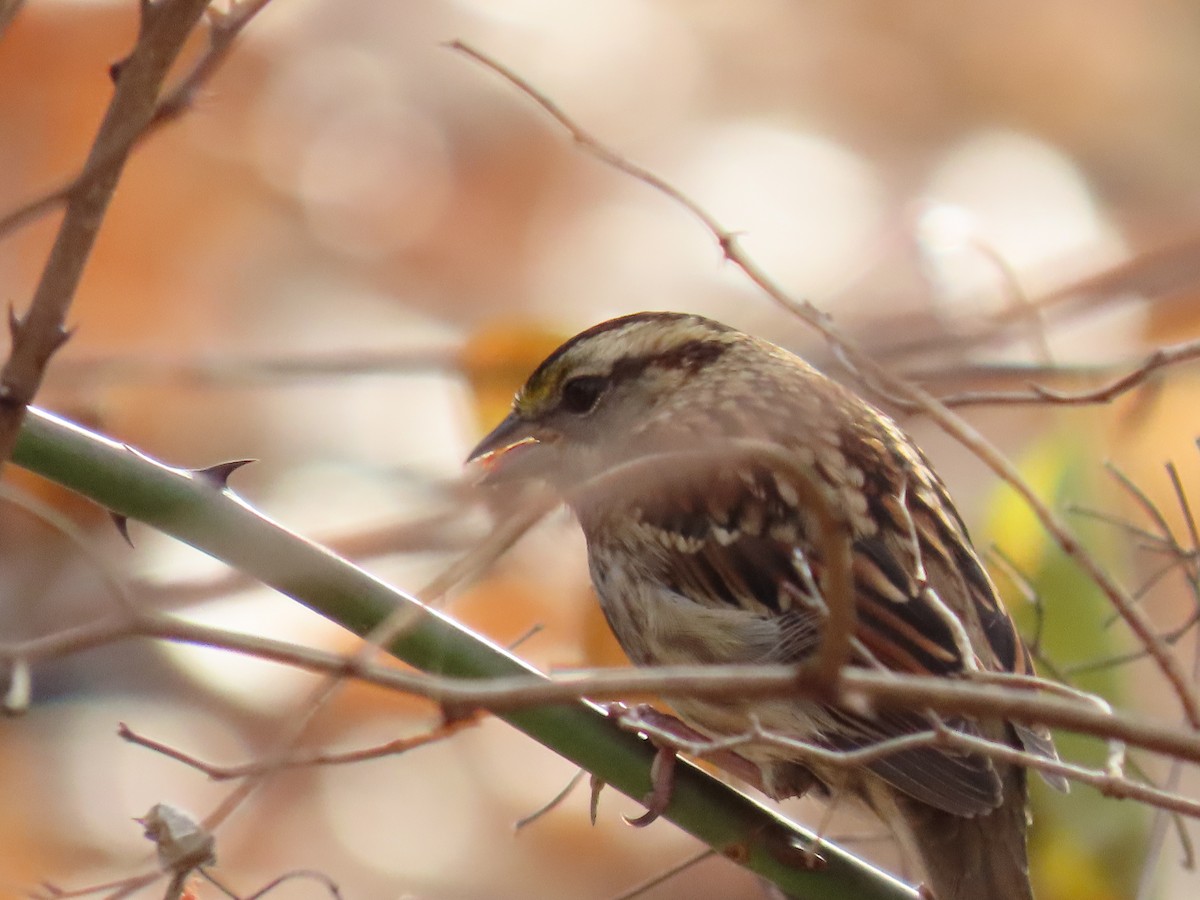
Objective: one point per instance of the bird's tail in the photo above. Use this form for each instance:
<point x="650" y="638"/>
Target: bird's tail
<point x="977" y="858"/>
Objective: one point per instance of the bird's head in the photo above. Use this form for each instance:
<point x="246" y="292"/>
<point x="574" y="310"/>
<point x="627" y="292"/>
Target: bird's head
<point x="591" y="404"/>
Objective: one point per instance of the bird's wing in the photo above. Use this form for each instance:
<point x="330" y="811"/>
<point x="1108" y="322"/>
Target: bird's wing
<point x="736" y="538"/>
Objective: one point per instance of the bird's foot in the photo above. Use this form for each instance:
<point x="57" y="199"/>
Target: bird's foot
<point x="665" y="731"/>
<point x="670" y="736"/>
<point x="662" y="787"/>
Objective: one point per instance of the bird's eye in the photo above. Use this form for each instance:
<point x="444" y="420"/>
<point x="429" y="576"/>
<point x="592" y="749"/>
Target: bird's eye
<point x="579" y="395"/>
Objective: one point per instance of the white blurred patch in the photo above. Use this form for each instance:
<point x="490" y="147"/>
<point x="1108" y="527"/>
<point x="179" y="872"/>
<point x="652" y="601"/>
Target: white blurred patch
<point x="412" y="415"/>
<point x="370" y="167"/>
<point x="375" y="179"/>
<point x="414" y="815"/>
<point x="607" y="62"/>
<point x="1023" y="200"/>
<point x="1007" y="217"/>
<point x="162" y="559"/>
<point x="805" y="207"/>
<point x="249" y="682"/>
<point x="639" y="252"/>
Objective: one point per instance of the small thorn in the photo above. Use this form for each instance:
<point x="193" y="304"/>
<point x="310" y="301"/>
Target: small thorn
<point x="61" y="337"/>
<point x="122" y="523"/>
<point x="114" y="69"/>
<point x="597" y="785"/>
<point x="14" y="324"/>
<point x="218" y="475"/>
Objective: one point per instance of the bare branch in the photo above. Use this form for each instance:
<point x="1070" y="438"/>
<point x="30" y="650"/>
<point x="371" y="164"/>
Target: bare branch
<point x="321" y="878"/>
<point x="300" y="760"/>
<point x="1003" y="697"/>
<point x="552" y="803"/>
<point x="857" y="687"/>
<point x="1161" y="358"/>
<point x="666" y="875"/>
<point x="42" y="330"/>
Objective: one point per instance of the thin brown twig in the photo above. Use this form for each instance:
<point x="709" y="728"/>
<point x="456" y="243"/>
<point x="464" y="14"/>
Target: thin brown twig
<point x="666" y="875"/>
<point x="857" y="687"/>
<point x="310" y="874"/>
<point x="1185" y="507"/>
<point x="1161" y="358"/>
<point x="1157" y="838"/>
<point x="1170" y="638"/>
<point x="553" y="803"/>
<point x="531" y="506"/>
<point x="121" y="887"/>
<point x="1164" y="542"/>
<point x="1110" y="781"/>
<point x="1148" y="507"/>
<point x="1149" y="540"/>
<point x="311" y="759"/>
<point x="1021" y="304"/>
<point x="1153" y="276"/>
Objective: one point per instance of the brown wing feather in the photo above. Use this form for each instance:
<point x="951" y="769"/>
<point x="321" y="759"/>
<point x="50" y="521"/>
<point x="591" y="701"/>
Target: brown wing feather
<point x="732" y="540"/>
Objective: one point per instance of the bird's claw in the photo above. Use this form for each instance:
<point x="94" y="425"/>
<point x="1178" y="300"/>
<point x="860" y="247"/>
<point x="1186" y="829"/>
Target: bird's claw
<point x="662" y="786"/>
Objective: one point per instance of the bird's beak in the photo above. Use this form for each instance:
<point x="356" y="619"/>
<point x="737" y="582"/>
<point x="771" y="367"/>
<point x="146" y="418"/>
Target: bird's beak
<point x="510" y="453"/>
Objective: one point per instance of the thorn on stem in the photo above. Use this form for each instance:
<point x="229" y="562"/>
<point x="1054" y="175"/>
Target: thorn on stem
<point x="116" y="68"/>
<point x="597" y="785"/>
<point x="218" y="475"/>
<point x="122" y="523"/>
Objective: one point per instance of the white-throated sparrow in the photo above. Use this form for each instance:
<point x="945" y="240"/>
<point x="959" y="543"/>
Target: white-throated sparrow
<point x="705" y="556"/>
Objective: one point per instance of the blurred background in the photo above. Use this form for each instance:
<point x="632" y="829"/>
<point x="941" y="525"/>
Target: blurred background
<point x="344" y="260"/>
